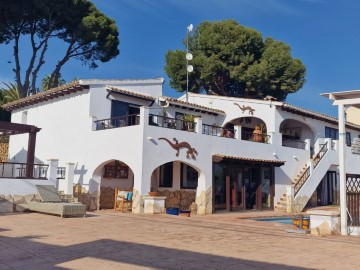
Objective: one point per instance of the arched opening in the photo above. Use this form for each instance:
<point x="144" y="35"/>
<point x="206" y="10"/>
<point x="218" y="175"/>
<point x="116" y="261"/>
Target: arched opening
<point x="295" y="133"/>
<point x="110" y="175"/>
<point x="178" y="182"/>
<point x="252" y="129"/>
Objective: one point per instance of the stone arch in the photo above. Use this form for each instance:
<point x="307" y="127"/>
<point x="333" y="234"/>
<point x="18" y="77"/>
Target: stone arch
<point x="109" y="175"/>
<point x="295" y="133"/>
<point x="247" y="126"/>
<point x="184" y="187"/>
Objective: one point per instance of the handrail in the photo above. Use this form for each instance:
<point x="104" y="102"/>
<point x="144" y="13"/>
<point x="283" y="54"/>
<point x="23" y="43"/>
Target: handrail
<point x="321" y="154"/>
<point x="302" y="180"/>
<point x="218" y="131"/>
<point x="305" y="176"/>
<point x="23" y="170"/>
<point x="249" y="136"/>
<point x="172" y="123"/>
<point x="119" y="121"/>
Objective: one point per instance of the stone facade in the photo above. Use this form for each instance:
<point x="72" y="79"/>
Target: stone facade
<point x="204" y="202"/>
<point x="11" y="203"/>
<point x="179" y="198"/>
<point x="4" y="148"/>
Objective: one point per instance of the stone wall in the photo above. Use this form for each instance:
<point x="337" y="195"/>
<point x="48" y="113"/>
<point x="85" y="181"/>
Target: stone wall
<point x="107" y="197"/>
<point x="83" y="196"/>
<point x="179" y="198"/>
<point x="4" y="148"/>
<point x="11" y="203"/>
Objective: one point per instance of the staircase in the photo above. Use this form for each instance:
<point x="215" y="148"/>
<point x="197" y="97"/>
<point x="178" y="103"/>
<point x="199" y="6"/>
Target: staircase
<point x="307" y="180"/>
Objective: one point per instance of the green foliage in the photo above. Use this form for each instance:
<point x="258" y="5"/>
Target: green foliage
<point x="88" y="35"/>
<point x="232" y="60"/>
<point x="9" y="93"/>
<point x="46" y="83"/>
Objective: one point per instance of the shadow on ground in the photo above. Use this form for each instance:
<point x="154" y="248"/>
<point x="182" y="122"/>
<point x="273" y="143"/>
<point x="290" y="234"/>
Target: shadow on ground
<point x="29" y="253"/>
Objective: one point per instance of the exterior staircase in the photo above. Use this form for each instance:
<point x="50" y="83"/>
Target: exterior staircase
<point x="306" y="182"/>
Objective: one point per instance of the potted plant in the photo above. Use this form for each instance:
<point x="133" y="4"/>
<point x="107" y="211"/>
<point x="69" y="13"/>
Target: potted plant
<point x="189" y="122"/>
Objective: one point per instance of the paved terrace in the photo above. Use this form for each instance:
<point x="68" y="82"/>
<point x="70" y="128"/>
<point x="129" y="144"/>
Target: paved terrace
<point x="109" y="240"/>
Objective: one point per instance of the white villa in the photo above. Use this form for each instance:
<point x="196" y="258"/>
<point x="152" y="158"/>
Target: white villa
<point x="223" y="153"/>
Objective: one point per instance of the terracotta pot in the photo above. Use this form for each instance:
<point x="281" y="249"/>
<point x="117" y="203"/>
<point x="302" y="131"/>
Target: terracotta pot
<point x="153" y="193"/>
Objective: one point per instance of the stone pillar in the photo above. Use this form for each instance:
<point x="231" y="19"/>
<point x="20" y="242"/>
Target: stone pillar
<point x="52" y="172"/>
<point x="290" y="194"/>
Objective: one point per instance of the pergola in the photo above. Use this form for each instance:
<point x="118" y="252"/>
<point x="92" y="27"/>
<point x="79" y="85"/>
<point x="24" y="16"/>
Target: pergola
<point x="342" y="100"/>
<point x="8" y="129"/>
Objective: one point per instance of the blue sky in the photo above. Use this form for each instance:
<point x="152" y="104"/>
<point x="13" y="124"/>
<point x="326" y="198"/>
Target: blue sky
<point x="324" y="34"/>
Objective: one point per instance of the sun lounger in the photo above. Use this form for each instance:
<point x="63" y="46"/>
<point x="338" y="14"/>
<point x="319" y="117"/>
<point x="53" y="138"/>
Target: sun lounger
<point x="51" y="203"/>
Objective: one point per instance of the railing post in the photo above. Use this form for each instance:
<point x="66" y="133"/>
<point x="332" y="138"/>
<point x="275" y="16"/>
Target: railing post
<point x="69" y="178"/>
<point x="237" y="130"/>
<point x="198" y="124"/>
<point x="290" y="194"/>
<point x="307" y="144"/>
<point x="310" y="164"/>
<point x="52" y="173"/>
<point x="144" y="116"/>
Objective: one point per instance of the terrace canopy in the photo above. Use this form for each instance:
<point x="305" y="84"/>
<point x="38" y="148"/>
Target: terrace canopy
<point x="342" y="99"/>
<point x="8" y="129"/>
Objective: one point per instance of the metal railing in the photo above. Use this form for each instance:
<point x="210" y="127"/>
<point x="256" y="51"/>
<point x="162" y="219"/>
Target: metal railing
<point x="169" y="122"/>
<point x="218" y="131"/>
<point x="61" y="172"/>
<point x="116" y="122"/>
<point x="304" y="177"/>
<point x="23" y="170"/>
<point x="294" y="144"/>
<point x="249" y="136"/>
<point x="321" y="154"/>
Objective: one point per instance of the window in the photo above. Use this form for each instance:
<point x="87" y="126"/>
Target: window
<point x="166" y="175"/>
<point x="334" y="134"/>
<point x="24" y="117"/>
<point x="189" y="177"/>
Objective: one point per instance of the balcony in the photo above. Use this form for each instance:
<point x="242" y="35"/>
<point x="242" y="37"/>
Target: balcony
<point x="117" y="122"/>
<point x="259" y="138"/>
<point x="172" y="123"/>
<point x="218" y="131"/>
<point x="23" y="170"/>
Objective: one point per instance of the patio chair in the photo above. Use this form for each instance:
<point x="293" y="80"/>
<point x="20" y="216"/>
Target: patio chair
<point x="51" y="203"/>
<point x="122" y="200"/>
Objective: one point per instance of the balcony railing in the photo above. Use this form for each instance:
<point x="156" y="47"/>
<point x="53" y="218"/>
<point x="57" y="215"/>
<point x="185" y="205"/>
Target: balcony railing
<point x="61" y="172"/>
<point x="169" y="122"/>
<point x="217" y="131"/>
<point x="249" y="136"/>
<point x="294" y="144"/>
<point x="116" y="122"/>
<point x="23" y="170"/>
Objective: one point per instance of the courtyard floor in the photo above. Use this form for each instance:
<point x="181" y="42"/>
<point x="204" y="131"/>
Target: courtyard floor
<point x="109" y="240"/>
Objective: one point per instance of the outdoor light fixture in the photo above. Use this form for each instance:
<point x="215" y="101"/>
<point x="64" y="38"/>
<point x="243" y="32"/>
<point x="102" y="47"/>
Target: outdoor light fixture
<point x="189" y="56"/>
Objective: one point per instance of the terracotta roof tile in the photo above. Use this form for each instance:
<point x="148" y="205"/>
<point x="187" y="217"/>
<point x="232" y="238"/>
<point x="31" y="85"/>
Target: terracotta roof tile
<point x="45" y="95"/>
<point x="316" y="115"/>
<point x="129" y="92"/>
<point x="275" y="162"/>
<point x="193" y="105"/>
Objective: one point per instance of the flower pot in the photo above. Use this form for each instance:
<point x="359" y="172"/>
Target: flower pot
<point x="153" y="193"/>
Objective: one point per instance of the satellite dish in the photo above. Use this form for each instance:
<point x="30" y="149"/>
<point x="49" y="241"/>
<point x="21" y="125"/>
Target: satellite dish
<point x="190" y="68"/>
<point x="189" y="56"/>
<point x="190" y="28"/>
